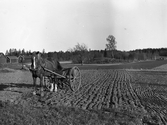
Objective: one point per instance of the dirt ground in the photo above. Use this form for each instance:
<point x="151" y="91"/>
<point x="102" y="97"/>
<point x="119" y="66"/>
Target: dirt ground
<point x="19" y="106"/>
<point x="106" y="97"/>
<point x="14" y="83"/>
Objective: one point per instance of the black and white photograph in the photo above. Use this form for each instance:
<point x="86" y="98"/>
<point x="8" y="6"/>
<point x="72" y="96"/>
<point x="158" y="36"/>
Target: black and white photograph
<point x="83" y="62"/>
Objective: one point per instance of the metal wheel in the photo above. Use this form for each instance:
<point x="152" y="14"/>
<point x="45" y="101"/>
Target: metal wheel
<point x="75" y="78"/>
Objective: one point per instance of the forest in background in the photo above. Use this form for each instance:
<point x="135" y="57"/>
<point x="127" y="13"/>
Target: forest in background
<point x="98" y="56"/>
<point x="81" y="54"/>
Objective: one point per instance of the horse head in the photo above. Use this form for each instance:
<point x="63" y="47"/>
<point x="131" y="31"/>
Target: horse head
<point x="36" y="61"/>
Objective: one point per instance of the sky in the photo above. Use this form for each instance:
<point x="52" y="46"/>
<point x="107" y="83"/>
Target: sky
<point x="58" y="25"/>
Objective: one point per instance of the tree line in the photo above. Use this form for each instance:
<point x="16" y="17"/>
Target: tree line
<point x="100" y="56"/>
<point x="81" y="54"/>
<point x="15" y="52"/>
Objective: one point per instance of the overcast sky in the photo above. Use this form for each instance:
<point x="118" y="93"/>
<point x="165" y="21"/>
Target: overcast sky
<point x="56" y="25"/>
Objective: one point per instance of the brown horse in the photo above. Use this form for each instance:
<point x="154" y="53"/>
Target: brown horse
<point x="38" y="65"/>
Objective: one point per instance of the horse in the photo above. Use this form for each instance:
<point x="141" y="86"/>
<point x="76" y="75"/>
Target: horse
<point x="38" y="65"/>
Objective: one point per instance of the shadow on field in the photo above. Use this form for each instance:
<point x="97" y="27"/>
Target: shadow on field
<point x="18" y="85"/>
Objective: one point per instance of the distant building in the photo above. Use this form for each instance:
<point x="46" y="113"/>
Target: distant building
<point x="2" y="58"/>
<point x="12" y="59"/>
<point x="160" y="57"/>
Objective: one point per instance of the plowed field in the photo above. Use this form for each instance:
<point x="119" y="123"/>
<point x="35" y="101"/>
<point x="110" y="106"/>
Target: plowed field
<point x="106" y="96"/>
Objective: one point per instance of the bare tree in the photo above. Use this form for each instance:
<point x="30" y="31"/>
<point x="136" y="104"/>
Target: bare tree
<point x="80" y="50"/>
<point x="111" y="45"/>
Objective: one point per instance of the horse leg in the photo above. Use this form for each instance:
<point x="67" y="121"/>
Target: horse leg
<point x="55" y="84"/>
<point x="41" y="85"/>
<point x="34" y="84"/>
